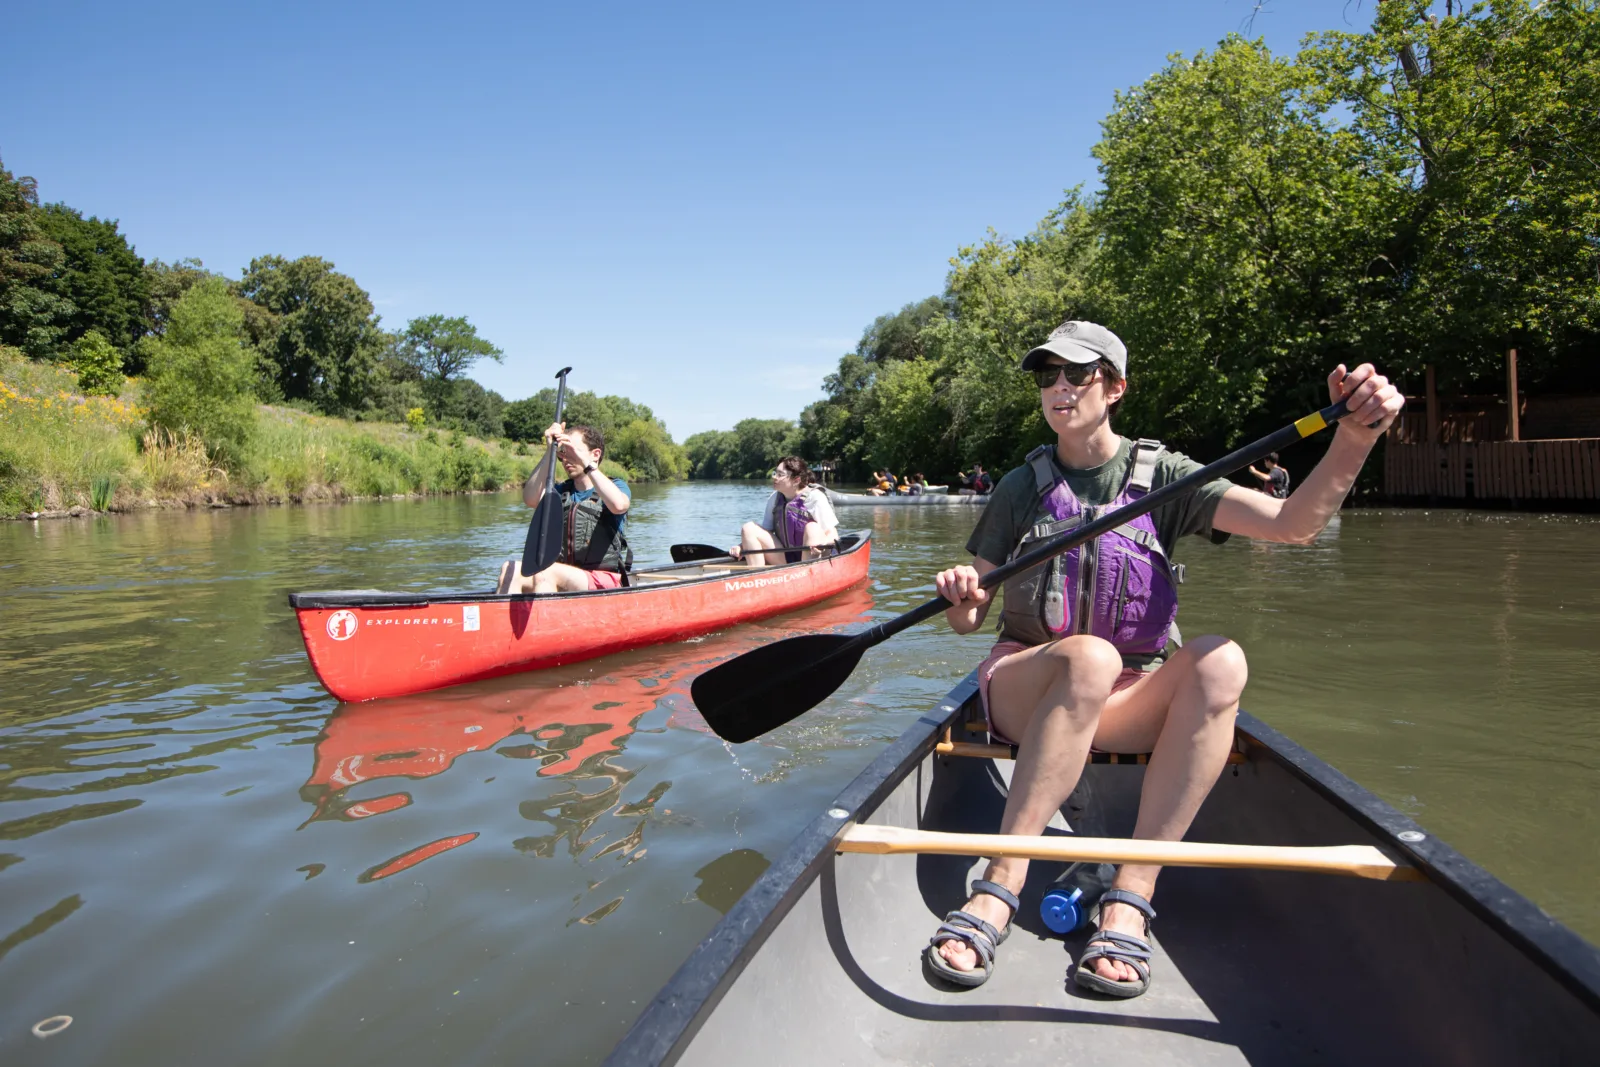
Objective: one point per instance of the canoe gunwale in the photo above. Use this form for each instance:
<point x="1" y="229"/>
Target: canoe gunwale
<point x="1562" y="954"/>
<point x="669" y="1023"/>
<point x="363" y="598"/>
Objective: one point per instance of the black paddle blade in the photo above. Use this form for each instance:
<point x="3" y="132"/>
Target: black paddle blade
<point x="766" y="687"/>
<point x="543" y="546"/>
<point x="693" y="553"/>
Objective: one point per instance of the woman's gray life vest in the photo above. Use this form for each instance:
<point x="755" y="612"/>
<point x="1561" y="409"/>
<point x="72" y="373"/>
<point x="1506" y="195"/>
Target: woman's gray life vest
<point x="593" y="540"/>
<point x="1120" y="586"/>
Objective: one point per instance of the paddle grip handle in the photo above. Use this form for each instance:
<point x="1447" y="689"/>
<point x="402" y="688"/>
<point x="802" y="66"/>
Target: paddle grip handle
<point x="561" y="391"/>
<point x="1064" y="542"/>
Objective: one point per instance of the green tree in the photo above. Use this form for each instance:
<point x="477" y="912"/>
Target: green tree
<point x="443" y="349"/>
<point x="34" y="315"/>
<point x="525" y="420"/>
<point x="635" y="438"/>
<point x="165" y="284"/>
<point x="1006" y="296"/>
<point x="1238" y="221"/>
<point x="201" y="372"/>
<point x="468" y="406"/>
<point x="100" y="274"/>
<point x="321" y="336"/>
<point x="706" y="451"/>
<point x="1479" y="132"/>
<point x="899" y="336"/>
<point x="645" y="448"/>
<point x="99" y="365"/>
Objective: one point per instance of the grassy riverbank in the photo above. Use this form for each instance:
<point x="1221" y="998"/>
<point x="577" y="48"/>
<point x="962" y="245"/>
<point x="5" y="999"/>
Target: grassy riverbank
<point x="61" y="451"/>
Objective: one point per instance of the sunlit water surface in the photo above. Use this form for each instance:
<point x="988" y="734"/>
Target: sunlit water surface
<point x="204" y="857"/>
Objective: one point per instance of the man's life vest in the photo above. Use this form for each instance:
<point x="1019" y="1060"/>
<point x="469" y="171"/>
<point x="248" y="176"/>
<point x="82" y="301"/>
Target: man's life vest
<point x="1120" y="586"/>
<point x="593" y="542"/>
<point x="1278" y="487"/>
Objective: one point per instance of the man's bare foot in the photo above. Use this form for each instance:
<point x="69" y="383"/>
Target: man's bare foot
<point x="992" y="910"/>
<point x="1124" y="920"/>
<point x="508" y="574"/>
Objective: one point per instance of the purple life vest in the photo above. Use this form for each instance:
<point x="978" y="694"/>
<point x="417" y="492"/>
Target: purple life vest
<point x="1120" y="586"/>
<point x="789" y="519"/>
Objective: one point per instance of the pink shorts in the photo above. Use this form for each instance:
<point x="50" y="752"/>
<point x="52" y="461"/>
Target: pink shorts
<point x="604" y="580"/>
<point x="1000" y="651"/>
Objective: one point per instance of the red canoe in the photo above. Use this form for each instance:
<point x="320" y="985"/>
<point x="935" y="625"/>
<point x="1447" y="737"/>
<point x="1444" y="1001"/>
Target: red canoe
<point x="365" y="645"/>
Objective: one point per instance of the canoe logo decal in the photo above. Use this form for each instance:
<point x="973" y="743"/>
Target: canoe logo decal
<point x="758" y="583"/>
<point x="342" y="625"/>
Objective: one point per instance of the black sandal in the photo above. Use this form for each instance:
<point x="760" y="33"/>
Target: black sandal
<point x="985" y="939"/>
<point x="1123" y="948"/>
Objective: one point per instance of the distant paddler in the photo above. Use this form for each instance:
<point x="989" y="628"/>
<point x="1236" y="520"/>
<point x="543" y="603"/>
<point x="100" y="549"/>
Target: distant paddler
<point x="797" y="516"/>
<point x="594" y="509"/>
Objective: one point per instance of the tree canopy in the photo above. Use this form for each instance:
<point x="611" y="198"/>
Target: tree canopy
<point x="320" y="334"/>
<point x="1423" y="193"/>
<point x="33" y="314"/>
<point x="100" y="275"/>
<point x="443" y="349"/>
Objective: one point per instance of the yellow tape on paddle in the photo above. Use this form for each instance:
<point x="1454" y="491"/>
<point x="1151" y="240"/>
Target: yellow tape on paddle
<point x="1310" y="424"/>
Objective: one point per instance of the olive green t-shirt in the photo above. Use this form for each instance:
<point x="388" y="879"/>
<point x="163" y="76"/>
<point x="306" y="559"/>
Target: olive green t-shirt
<point x="1013" y="506"/>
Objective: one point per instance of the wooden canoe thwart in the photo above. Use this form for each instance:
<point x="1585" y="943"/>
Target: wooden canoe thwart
<point x="1258" y="957"/>
<point x="367" y="644"/>
<point x="1360" y="861"/>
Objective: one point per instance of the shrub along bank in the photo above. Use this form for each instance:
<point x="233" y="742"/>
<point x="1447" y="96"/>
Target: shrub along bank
<point x="62" y="450"/>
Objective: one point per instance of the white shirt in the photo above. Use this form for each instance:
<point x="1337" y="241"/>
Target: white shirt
<point x="815" y="501"/>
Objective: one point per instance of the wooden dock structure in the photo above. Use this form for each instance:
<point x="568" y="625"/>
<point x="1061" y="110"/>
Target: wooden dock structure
<point x="1495" y="449"/>
<point x="1494" y="471"/>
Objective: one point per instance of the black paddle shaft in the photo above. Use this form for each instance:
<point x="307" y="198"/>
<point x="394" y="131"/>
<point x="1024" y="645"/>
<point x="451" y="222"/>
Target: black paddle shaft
<point x="1070" y="539"/>
<point x="544" y="529"/>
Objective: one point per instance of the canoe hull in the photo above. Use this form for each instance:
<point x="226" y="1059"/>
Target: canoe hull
<point x="366" y="647"/>
<point x="820" y="962"/>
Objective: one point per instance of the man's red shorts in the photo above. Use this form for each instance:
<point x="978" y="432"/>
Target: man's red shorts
<point x="604" y="579"/>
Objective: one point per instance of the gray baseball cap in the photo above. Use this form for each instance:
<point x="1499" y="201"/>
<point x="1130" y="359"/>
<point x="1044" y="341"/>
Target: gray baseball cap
<point x="1081" y="342"/>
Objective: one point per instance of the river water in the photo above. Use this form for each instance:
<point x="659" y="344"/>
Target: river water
<point x="205" y="857"/>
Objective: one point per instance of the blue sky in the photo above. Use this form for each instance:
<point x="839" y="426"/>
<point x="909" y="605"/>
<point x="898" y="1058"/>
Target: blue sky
<point x="698" y="206"/>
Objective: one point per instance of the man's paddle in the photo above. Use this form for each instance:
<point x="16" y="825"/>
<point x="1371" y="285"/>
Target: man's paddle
<point x="766" y="687"/>
<point x="544" y="532"/>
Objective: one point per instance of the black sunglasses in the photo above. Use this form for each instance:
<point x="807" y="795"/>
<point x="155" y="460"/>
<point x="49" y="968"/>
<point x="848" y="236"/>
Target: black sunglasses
<point x="1077" y="373"/>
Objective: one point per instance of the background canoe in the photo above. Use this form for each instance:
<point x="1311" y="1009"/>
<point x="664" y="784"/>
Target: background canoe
<point x="365" y="645"/>
<point x="820" y="962"/>
<point x="920" y="500"/>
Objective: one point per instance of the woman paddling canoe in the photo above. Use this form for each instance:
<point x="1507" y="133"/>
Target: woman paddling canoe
<point x="798" y="515"/>
<point x="1082" y="658"/>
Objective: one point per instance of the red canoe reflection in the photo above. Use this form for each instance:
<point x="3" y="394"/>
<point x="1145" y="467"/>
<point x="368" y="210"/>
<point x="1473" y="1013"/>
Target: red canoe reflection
<point x="410" y="859"/>
<point x="573" y="715"/>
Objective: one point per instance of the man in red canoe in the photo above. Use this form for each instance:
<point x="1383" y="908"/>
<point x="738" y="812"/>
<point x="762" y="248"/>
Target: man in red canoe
<point x="594" y="509"/>
<point x="1083" y="659"/>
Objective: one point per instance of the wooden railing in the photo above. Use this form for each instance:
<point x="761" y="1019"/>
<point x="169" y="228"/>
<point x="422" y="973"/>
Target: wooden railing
<point x="1494" y="470"/>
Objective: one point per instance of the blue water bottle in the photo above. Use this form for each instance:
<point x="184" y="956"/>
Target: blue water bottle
<point x="1065" y="906"/>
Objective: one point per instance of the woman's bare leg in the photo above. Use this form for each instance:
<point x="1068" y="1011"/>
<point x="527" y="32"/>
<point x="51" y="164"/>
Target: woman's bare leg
<point x="815" y="536"/>
<point x="1183" y="715"/>
<point x="1049" y="699"/>
<point x="753" y="536"/>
